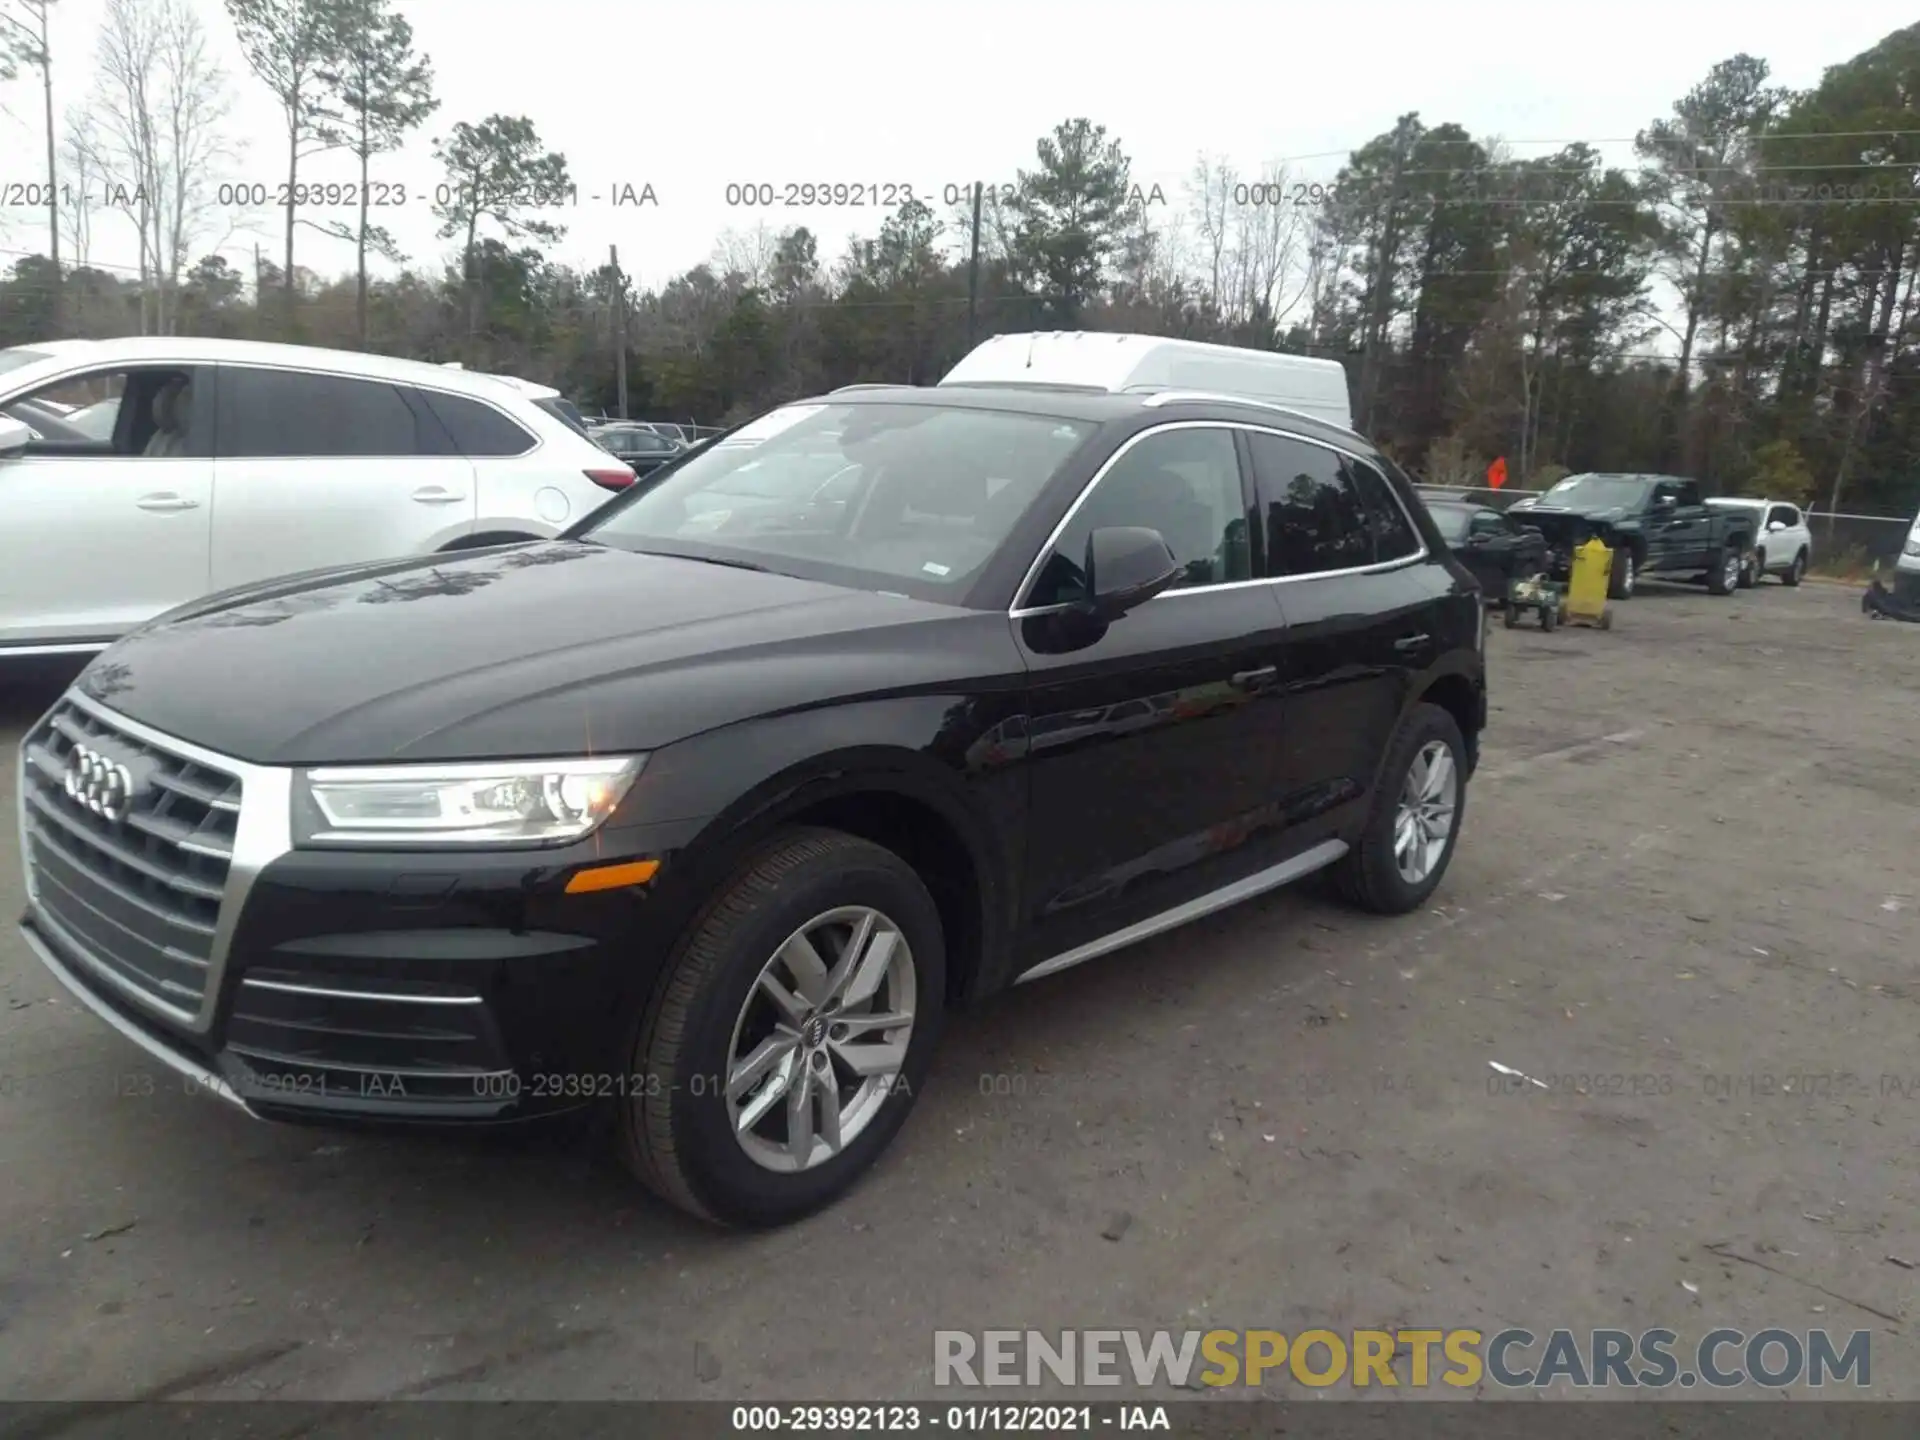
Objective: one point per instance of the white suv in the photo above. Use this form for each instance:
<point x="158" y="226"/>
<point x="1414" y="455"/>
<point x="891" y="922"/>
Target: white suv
<point x="1782" y="545"/>
<point x="140" y="473"/>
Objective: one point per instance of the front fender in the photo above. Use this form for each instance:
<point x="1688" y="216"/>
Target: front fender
<point x="735" y="786"/>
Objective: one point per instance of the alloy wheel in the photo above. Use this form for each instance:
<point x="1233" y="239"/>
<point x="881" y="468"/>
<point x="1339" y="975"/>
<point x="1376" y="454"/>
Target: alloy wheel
<point x="1626" y="574"/>
<point x="1423" y="823"/>
<point x="1730" y="569"/>
<point x="821" y="1039"/>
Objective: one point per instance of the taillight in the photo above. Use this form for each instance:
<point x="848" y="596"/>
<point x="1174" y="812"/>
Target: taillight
<point x="615" y="479"/>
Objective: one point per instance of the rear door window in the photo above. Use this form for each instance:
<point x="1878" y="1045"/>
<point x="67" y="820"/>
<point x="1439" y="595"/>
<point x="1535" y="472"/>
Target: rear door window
<point x="1394" y="537"/>
<point x="294" y="413"/>
<point x="1316" y="521"/>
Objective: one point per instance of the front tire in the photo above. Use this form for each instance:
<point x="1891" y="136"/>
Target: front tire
<point x="1724" y="578"/>
<point x="1795" y="570"/>
<point x="1753" y="570"/>
<point x="1408" y="840"/>
<point x="798" y="1019"/>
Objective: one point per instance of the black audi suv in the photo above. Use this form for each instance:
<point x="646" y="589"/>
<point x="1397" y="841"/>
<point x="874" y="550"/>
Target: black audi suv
<point x="709" y="811"/>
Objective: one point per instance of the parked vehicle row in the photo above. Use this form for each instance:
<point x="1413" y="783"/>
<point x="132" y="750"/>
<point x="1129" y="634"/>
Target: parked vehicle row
<point x="1654" y="525"/>
<point x="140" y="473"/>
<point x="884" y="702"/>
<point x="643" y="447"/>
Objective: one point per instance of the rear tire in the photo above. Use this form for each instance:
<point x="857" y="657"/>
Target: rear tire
<point x="1369" y="875"/>
<point x="1622" y="576"/>
<point x="1510" y="615"/>
<point x="678" y="1136"/>
<point x="1795" y="570"/>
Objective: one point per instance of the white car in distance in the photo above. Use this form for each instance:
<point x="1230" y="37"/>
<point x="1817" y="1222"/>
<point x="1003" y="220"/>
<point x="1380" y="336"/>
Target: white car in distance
<point x="137" y="474"/>
<point x="1783" y="543"/>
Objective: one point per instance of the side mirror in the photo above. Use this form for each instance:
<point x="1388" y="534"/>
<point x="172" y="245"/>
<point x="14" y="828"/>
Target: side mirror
<point x="15" y="436"/>
<point x="1126" y="566"/>
<point x="1773" y="525"/>
<point x="1667" y="502"/>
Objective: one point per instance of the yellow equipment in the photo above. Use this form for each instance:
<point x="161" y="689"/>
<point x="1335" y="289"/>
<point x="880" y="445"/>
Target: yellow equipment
<point x="1586" y="602"/>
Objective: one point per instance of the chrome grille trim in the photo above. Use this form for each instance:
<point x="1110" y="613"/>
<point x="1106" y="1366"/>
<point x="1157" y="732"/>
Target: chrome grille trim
<point x="262" y="833"/>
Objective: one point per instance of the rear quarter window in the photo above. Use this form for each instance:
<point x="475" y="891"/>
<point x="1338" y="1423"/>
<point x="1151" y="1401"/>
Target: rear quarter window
<point x="477" y="429"/>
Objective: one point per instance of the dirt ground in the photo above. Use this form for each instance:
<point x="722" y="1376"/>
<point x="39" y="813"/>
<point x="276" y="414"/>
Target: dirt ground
<point x="1686" y="899"/>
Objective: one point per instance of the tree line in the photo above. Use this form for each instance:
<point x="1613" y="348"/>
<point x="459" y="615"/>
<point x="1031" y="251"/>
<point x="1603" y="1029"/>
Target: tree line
<point x="1736" y="305"/>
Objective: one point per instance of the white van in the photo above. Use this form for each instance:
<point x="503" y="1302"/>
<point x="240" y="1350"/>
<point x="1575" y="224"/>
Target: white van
<point x="1118" y="363"/>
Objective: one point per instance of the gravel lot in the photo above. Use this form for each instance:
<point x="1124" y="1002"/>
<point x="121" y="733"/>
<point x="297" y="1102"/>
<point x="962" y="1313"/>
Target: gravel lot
<point x="1688" y="866"/>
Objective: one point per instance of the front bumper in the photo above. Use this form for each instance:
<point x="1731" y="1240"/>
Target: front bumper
<point x="442" y="988"/>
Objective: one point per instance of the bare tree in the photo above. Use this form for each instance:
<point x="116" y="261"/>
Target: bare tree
<point x="162" y="103"/>
<point x="1266" y="248"/>
<point x="80" y="158"/>
<point x="748" y="254"/>
<point x="291" y="45"/>
<point x="382" y="89"/>
<point x="1210" y="204"/>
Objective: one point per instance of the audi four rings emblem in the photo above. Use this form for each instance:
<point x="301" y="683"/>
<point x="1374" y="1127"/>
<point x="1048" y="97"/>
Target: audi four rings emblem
<point x="100" y="783"/>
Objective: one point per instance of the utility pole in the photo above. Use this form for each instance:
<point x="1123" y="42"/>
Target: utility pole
<point x="40" y="53"/>
<point x="619" y="330"/>
<point x="53" y="173"/>
<point x="973" y="272"/>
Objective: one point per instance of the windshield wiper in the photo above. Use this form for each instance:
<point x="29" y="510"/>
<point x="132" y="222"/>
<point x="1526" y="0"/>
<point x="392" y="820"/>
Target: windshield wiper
<point x="708" y="560"/>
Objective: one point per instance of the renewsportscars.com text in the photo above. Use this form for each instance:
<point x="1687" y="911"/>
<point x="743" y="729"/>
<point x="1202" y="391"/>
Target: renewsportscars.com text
<point x="1510" y="1359"/>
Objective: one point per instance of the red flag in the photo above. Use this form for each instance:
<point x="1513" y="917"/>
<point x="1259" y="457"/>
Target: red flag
<point x="1497" y="473"/>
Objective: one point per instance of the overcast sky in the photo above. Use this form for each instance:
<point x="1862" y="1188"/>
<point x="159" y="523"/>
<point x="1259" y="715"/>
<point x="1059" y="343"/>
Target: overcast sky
<point x="693" y="96"/>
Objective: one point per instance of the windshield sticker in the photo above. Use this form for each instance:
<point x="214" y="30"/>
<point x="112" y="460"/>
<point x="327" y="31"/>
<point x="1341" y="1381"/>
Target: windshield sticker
<point x="933" y="569"/>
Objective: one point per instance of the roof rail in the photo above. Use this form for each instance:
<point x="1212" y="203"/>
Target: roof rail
<point x="1181" y="397"/>
<point x="866" y="385"/>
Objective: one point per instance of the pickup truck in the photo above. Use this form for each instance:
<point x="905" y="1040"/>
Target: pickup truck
<point x="1654" y="524"/>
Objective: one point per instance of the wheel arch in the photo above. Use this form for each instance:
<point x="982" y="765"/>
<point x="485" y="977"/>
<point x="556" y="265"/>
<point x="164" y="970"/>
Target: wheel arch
<point x="1455" y="692"/>
<point x="896" y="799"/>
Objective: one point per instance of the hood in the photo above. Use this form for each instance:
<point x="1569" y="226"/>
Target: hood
<point x="550" y="648"/>
<point x="1604" y="515"/>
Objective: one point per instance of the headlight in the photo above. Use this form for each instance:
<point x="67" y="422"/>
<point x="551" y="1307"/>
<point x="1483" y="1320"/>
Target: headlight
<point x="505" y="802"/>
<point x="1912" y="547"/>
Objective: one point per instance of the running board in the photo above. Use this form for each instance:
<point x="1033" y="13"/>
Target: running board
<point x="1317" y="857"/>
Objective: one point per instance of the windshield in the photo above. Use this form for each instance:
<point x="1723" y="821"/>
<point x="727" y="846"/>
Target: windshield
<point x="1452" y="521"/>
<point x="1601" y="491"/>
<point x="907" y="498"/>
<point x="13" y="359"/>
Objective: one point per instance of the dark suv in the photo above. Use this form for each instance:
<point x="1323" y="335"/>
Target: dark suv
<point x="708" y="811"/>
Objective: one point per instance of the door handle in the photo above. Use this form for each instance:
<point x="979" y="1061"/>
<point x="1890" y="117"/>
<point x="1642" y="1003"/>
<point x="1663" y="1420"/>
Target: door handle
<point x="166" y="500"/>
<point x="1410" y="642"/>
<point x="437" y="495"/>
<point x="1254" y="679"/>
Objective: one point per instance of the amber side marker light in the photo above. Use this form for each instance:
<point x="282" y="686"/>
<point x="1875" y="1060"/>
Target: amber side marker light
<point x="612" y="877"/>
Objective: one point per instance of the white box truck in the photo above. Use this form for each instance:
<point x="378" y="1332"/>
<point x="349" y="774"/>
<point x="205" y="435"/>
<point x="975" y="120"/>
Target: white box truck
<point x="1142" y="363"/>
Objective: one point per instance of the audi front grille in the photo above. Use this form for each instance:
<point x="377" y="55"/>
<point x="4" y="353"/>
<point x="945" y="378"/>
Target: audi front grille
<point x="128" y="845"/>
